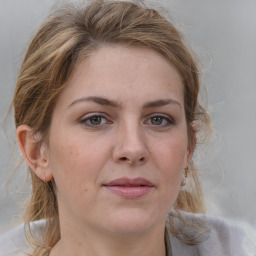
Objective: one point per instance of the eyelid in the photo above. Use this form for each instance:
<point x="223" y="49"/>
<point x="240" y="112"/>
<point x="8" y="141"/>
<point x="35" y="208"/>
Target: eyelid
<point x="91" y="114"/>
<point x="161" y="115"/>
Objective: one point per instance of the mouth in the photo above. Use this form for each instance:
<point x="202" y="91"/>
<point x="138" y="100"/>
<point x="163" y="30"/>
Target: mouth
<point x="130" y="188"/>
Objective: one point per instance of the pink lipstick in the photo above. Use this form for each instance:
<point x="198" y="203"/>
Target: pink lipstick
<point x="130" y="188"/>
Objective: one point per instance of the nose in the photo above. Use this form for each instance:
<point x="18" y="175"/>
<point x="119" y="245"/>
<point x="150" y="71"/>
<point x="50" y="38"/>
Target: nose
<point x="130" y="147"/>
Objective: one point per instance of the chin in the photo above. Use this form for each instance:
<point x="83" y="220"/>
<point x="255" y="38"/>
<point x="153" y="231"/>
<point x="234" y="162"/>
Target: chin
<point x="133" y="221"/>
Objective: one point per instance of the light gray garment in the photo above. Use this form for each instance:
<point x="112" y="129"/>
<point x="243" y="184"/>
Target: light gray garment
<point x="14" y="243"/>
<point x="223" y="239"/>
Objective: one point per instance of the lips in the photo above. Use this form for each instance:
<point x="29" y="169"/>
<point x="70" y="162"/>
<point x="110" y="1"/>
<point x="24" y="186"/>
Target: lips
<point x="126" y="182"/>
<point x="130" y="188"/>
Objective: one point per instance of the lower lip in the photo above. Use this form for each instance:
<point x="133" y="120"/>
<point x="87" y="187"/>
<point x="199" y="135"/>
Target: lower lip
<point x="130" y="192"/>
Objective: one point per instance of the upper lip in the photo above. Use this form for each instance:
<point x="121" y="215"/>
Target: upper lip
<point x="127" y="182"/>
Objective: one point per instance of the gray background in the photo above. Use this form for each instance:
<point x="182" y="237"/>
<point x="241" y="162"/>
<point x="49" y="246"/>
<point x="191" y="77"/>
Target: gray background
<point x="223" y="34"/>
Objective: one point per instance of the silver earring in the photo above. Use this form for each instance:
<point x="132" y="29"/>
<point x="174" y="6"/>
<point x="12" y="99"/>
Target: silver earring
<point x="184" y="182"/>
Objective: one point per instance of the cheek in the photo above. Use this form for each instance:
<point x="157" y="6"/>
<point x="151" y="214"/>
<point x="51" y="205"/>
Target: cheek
<point x="72" y="162"/>
<point x="172" y="155"/>
<point x="76" y="163"/>
<point x="169" y="161"/>
<point x="171" y="158"/>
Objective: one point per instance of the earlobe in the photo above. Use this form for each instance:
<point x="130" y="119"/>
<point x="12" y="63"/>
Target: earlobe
<point x="34" y="152"/>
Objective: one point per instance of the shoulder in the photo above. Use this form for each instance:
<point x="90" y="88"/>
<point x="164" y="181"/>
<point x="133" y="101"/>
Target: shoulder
<point x="222" y="238"/>
<point x="225" y="238"/>
<point x="14" y="242"/>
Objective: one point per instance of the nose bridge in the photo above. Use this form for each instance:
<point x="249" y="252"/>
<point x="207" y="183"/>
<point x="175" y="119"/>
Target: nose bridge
<point x="133" y="136"/>
<point x="130" y="146"/>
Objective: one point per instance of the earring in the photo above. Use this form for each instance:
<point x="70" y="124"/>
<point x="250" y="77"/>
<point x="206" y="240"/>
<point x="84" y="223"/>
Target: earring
<point x="184" y="181"/>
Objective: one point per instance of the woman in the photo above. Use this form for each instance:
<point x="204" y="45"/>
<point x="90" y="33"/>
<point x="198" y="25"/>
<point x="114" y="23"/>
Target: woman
<point x="107" y="120"/>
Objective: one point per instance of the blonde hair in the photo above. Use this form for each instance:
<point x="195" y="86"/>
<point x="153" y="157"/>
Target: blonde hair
<point x="69" y="35"/>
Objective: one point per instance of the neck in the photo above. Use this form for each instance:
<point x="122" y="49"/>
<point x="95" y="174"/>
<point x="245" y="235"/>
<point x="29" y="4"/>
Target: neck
<point x="92" y="243"/>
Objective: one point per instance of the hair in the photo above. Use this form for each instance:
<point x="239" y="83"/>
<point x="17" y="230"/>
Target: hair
<point x="69" y="35"/>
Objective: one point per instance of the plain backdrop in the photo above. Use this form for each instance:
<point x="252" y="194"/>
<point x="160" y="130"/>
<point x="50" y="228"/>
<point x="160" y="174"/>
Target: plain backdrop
<point x="223" y="35"/>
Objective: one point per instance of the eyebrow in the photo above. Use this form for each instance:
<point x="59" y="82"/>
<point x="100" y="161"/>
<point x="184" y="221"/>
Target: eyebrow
<point x="98" y="100"/>
<point x="111" y="103"/>
<point x="160" y="103"/>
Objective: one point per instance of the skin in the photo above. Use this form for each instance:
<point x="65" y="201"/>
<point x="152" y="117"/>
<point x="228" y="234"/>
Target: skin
<point x="142" y="133"/>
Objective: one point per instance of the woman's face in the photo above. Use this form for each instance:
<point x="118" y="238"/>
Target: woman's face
<point x="118" y="142"/>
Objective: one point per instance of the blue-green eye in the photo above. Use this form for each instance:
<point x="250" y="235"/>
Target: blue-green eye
<point x="157" y="120"/>
<point x="160" y="121"/>
<point x="94" y="120"/>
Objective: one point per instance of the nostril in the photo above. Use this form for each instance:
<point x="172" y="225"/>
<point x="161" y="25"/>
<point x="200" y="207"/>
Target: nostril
<point x="132" y="160"/>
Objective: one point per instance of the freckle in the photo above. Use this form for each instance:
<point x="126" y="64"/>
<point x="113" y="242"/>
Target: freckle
<point x="83" y="191"/>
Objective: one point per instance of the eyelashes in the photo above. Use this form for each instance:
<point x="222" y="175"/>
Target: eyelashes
<point x="100" y="120"/>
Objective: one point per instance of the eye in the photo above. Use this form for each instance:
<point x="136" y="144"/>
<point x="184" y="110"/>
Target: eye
<point x="94" y="120"/>
<point x="159" y="120"/>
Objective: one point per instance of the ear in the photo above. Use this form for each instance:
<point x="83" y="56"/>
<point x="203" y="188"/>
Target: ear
<point x="34" y="152"/>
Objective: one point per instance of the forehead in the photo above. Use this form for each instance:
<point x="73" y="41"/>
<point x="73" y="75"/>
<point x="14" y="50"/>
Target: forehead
<point x="128" y="72"/>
